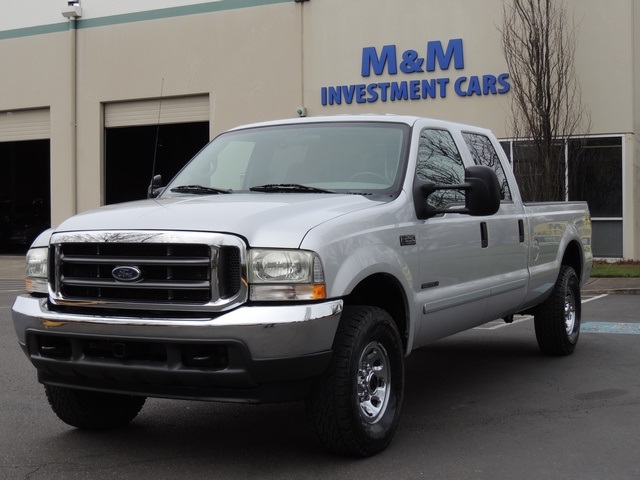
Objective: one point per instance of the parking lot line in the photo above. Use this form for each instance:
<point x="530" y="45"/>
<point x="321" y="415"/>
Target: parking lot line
<point x="611" y="327"/>
<point x="589" y="299"/>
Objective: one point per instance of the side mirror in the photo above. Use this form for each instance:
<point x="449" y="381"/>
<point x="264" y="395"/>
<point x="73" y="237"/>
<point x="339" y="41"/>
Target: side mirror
<point x="482" y="194"/>
<point x="155" y="188"/>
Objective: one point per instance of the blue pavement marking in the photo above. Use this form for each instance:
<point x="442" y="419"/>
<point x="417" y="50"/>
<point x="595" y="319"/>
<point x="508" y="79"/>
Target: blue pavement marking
<point x="610" y="327"/>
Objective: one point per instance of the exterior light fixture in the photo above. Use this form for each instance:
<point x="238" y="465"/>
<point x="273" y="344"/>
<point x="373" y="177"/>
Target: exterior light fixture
<point x="73" y="10"/>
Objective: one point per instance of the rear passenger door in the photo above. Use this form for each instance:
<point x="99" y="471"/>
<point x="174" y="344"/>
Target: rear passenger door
<point x="506" y="243"/>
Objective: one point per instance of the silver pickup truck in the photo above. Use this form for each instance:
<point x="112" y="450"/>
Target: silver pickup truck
<point x="298" y="259"/>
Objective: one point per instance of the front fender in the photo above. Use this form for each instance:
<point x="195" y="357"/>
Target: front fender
<point x="380" y="239"/>
<point x="368" y="260"/>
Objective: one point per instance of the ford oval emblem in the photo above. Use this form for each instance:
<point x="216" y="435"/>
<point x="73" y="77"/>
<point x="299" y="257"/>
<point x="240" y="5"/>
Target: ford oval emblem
<point x="126" y="274"/>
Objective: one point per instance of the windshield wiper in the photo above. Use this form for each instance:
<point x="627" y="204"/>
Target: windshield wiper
<point x="199" y="189"/>
<point x="288" y="187"/>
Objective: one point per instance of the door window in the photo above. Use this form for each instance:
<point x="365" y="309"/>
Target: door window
<point x="483" y="153"/>
<point x="439" y="161"/>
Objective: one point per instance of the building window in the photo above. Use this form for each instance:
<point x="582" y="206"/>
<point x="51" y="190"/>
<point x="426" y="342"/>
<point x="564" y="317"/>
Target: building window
<point x="591" y="172"/>
<point x="595" y="174"/>
<point x="530" y="171"/>
<point x="506" y="148"/>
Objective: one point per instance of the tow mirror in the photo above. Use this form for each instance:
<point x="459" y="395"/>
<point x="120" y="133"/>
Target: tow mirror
<point x="482" y="194"/>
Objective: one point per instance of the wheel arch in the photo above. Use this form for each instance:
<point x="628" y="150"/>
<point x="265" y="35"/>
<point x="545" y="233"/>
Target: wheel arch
<point x="383" y="290"/>
<point x="573" y="256"/>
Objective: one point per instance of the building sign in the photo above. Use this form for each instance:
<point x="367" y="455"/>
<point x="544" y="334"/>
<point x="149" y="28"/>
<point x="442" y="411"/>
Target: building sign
<point x="433" y="63"/>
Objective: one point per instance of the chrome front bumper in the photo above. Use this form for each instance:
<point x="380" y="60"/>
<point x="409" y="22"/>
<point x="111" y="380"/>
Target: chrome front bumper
<point x="251" y="354"/>
<point x="267" y="331"/>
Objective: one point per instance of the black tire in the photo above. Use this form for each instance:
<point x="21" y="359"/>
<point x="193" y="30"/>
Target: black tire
<point x="557" y="320"/>
<point x="355" y="406"/>
<point x="93" y="410"/>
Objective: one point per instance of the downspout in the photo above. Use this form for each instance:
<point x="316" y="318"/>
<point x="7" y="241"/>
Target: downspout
<point x="302" y="109"/>
<point x="74" y="115"/>
<point x="73" y="11"/>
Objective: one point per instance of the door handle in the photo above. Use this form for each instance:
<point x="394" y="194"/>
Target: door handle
<point x="521" y="230"/>
<point x="484" y="234"/>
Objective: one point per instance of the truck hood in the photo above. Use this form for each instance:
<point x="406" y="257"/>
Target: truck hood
<point x="263" y="219"/>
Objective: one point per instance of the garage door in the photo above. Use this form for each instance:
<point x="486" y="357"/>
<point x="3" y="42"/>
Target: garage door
<point x="163" y="111"/>
<point x="20" y="125"/>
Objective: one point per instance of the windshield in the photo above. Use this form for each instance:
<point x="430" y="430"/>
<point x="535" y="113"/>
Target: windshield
<point x="337" y="157"/>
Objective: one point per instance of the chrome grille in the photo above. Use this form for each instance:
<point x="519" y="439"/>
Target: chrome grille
<point x="190" y="271"/>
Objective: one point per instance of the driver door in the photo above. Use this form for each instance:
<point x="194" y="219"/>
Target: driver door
<point x="454" y="261"/>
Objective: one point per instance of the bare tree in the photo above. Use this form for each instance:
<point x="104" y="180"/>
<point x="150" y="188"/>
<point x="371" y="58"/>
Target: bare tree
<point x="539" y="42"/>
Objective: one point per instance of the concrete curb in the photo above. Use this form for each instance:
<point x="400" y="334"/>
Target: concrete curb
<point x="613" y="291"/>
<point x="612" y="286"/>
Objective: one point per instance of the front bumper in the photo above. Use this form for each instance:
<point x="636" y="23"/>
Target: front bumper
<point x="251" y="354"/>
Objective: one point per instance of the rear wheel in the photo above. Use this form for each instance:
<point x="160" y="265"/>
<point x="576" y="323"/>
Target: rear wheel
<point x="355" y="406"/>
<point x="93" y="410"/>
<point x="557" y="320"/>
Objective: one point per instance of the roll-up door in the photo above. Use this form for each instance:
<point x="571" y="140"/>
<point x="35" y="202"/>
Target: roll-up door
<point x="149" y="137"/>
<point x="25" y="183"/>
<point x="164" y="111"/>
<point x="20" y="125"/>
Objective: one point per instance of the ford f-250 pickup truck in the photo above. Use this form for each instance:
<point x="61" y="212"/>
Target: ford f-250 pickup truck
<point x="298" y="259"/>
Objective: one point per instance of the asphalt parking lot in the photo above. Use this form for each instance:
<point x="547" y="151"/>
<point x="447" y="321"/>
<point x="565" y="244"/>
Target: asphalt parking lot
<point x="480" y="405"/>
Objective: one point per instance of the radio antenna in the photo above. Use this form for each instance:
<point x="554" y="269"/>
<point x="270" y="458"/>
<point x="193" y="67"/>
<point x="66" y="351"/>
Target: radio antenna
<point x="155" y="150"/>
<point x="150" y="192"/>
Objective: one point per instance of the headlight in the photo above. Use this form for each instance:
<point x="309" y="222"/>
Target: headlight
<point x="36" y="270"/>
<point x="285" y="275"/>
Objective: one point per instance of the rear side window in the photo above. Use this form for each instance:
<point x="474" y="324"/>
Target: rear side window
<point x="440" y="162"/>
<point x="483" y="153"/>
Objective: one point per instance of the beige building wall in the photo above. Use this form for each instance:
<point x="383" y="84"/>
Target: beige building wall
<point x="334" y="42"/>
<point x="248" y="68"/>
<point x="267" y="60"/>
<point x="36" y="73"/>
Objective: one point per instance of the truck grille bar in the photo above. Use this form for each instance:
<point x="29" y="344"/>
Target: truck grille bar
<point x="146" y="270"/>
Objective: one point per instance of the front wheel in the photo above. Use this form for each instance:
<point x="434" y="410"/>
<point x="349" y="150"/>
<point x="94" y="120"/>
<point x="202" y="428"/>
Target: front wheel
<point x="93" y="410"/>
<point x="355" y="406"/>
<point x="557" y="320"/>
